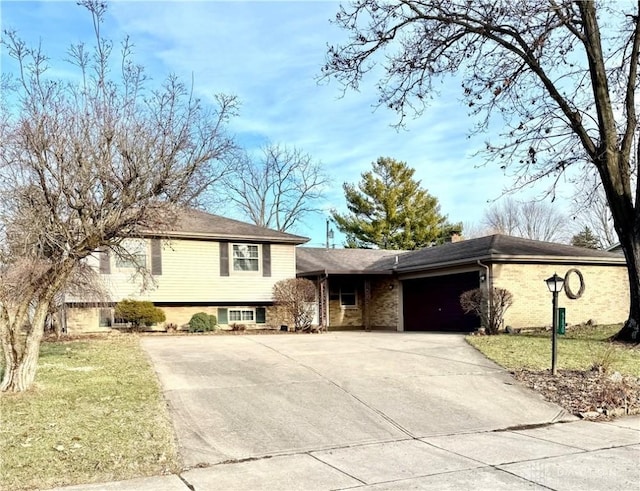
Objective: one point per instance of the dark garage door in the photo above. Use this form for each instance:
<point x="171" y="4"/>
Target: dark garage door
<point x="433" y="304"/>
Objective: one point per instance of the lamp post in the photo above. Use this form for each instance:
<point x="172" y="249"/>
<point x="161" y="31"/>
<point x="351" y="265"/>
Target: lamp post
<point x="329" y="233"/>
<point x="554" y="284"/>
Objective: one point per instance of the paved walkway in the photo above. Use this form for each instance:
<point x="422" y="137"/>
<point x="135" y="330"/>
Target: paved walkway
<point x="371" y="411"/>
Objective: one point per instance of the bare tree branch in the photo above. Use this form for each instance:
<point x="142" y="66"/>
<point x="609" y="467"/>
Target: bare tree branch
<point x="559" y="77"/>
<point x="85" y="165"/>
<point x="278" y="189"/>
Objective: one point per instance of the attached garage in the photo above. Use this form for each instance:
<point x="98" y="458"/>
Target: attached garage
<point x="433" y="303"/>
<point x="420" y="290"/>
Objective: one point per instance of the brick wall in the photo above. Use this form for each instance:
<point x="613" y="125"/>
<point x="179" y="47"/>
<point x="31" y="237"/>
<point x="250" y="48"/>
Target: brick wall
<point x="86" y="319"/>
<point x="383" y="312"/>
<point x="605" y="299"/>
<point x="384" y="304"/>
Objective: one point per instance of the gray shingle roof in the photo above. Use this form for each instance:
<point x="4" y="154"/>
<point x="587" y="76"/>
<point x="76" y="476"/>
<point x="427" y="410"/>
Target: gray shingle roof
<point x="341" y="261"/>
<point x="501" y="248"/>
<point x="490" y="248"/>
<point x="201" y="225"/>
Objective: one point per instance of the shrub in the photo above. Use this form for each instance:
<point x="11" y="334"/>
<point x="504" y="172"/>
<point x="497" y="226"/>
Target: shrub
<point x="238" y="327"/>
<point x="139" y="313"/>
<point x="297" y="297"/>
<point x="202" y="322"/>
<point x="490" y="308"/>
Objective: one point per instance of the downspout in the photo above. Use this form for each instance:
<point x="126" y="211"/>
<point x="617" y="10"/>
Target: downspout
<point x="489" y="283"/>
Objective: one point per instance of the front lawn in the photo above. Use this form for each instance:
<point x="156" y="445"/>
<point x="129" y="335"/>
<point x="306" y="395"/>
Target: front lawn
<point x="587" y="383"/>
<point x="582" y="348"/>
<point x="95" y="414"/>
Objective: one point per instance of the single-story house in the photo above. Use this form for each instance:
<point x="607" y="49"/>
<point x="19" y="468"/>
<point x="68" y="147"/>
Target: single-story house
<point x="420" y="290"/>
<point x="205" y="263"/>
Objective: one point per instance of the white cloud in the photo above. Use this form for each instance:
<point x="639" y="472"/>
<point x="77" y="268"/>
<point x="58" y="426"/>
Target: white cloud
<point x="270" y="54"/>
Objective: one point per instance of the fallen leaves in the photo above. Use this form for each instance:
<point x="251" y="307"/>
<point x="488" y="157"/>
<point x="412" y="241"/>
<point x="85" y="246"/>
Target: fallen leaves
<point x="590" y="394"/>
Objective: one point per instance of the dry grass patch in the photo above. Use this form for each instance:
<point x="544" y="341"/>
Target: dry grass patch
<point x="581" y="348"/>
<point x="587" y="383"/>
<point x="95" y="414"/>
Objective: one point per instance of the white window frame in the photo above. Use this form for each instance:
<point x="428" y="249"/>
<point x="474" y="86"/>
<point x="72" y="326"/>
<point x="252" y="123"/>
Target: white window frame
<point x="138" y="249"/>
<point x="242" y="313"/>
<point x="237" y="247"/>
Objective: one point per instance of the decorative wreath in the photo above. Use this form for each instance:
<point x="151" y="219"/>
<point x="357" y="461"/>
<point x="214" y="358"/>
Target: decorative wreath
<point x="567" y="288"/>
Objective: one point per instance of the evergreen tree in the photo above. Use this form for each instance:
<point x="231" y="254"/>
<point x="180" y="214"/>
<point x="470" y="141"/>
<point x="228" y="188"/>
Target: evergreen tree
<point x="388" y="209"/>
<point x="586" y="238"/>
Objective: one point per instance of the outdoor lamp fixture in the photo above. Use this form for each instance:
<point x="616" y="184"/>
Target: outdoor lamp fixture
<point x="329" y="233"/>
<point x="555" y="284"/>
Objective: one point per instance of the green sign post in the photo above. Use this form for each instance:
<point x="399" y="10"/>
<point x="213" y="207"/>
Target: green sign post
<point x="562" y="320"/>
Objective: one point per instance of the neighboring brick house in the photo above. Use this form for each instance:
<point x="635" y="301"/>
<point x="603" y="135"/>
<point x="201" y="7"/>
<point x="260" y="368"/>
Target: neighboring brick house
<point x="420" y="290"/>
<point x="206" y="263"/>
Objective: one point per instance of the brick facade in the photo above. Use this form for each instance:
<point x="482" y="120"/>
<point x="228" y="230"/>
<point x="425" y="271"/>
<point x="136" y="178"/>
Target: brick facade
<point x="383" y="306"/>
<point x="86" y="319"/>
<point x="605" y="299"/>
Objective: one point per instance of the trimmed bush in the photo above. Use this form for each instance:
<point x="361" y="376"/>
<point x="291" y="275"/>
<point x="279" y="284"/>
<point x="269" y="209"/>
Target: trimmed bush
<point x="489" y="308"/>
<point x="203" y="322"/>
<point x="139" y="313"/>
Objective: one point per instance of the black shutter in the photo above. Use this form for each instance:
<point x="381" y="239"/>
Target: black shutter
<point x="156" y="257"/>
<point x="222" y="316"/>
<point x="261" y="315"/>
<point x="105" y="265"/>
<point x="266" y="259"/>
<point x="224" y="259"/>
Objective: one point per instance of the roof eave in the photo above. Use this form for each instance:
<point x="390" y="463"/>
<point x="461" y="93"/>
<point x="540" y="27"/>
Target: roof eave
<point x="559" y="259"/>
<point x="515" y="259"/>
<point x="330" y="272"/>
<point x="295" y="240"/>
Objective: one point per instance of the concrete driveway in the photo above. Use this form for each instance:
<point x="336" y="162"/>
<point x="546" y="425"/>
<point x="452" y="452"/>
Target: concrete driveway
<point x="245" y="397"/>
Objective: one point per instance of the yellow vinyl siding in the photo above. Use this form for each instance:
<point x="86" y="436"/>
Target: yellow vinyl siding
<point x="191" y="273"/>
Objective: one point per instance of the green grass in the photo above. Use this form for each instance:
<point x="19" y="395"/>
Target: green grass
<point x="580" y="349"/>
<point x="95" y="414"/>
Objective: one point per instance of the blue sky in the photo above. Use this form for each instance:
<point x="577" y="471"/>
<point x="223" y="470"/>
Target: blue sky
<point x="270" y="54"/>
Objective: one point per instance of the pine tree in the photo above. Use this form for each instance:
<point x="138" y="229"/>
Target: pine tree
<point x="586" y="238"/>
<point x="388" y="209"/>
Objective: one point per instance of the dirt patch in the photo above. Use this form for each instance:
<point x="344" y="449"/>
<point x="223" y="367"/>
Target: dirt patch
<point x="588" y="394"/>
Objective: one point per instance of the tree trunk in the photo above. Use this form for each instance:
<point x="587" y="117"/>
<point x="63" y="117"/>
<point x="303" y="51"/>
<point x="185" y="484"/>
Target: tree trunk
<point x="630" y="332"/>
<point x="20" y="370"/>
<point x="19" y="376"/>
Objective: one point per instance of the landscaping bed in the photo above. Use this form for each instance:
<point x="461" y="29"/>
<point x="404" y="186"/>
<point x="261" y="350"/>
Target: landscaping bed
<point x="596" y="379"/>
<point x="589" y="394"/>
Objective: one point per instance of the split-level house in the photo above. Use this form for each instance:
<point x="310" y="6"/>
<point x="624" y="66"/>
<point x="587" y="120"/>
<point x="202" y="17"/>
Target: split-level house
<point x="205" y="263"/>
<point x="208" y="263"/>
<point x="420" y="290"/>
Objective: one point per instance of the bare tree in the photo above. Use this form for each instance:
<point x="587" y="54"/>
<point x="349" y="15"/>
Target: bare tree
<point x="296" y="296"/>
<point x="532" y="220"/>
<point x="87" y="162"/>
<point x="277" y="189"/>
<point x="592" y="210"/>
<point x="561" y="75"/>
